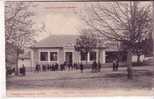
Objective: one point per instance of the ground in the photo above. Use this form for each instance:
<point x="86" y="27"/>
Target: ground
<point x="75" y="83"/>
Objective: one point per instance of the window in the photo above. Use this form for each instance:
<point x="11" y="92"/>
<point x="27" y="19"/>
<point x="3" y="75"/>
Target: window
<point x="53" y="56"/>
<point x="43" y="56"/>
<point x="93" y="55"/>
<point x="83" y="56"/>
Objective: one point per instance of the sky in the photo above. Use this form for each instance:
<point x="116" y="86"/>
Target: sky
<point x="58" y="18"/>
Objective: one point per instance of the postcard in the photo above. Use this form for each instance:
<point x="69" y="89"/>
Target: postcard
<point x="78" y="49"/>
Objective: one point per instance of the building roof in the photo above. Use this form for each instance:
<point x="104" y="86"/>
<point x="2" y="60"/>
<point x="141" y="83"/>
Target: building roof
<point x="57" y="41"/>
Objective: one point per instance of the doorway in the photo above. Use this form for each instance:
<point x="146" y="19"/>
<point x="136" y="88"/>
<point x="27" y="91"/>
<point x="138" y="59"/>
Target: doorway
<point x="68" y="57"/>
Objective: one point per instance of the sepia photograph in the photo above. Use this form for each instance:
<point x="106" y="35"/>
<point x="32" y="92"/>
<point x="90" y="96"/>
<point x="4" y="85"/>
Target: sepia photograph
<point x="79" y="48"/>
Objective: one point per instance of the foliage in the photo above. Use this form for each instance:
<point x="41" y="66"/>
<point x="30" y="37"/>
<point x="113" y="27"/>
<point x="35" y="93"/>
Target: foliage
<point x="126" y="22"/>
<point x="19" y="32"/>
<point x="129" y="23"/>
<point x="18" y="24"/>
<point x="86" y="42"/>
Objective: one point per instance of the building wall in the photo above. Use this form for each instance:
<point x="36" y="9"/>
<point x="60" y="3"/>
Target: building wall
<point x="26" y="63"/>
<point x="61" y="56"/>
<point x="35" y="56"/>
<point x="102" y="56"/>
<point x="134" y="58"/>
<point x="49" y="50"/>
<point x="76" y="57"/>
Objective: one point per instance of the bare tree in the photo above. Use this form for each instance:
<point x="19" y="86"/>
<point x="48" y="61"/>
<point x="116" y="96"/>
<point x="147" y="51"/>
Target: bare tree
<point x="126" y="22"/>
<point x="86" y="42"/>
<point x="18" y="27"/>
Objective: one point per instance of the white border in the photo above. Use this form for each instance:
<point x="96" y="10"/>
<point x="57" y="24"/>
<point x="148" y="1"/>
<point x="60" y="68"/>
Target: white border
<point x="2" y="69"/>
<point x="2" y="52"/>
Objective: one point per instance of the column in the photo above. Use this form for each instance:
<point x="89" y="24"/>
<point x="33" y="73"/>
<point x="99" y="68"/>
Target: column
<point x="32" y="59"/>
<point x="88" y="57"/>
<point x="103" y="56"/>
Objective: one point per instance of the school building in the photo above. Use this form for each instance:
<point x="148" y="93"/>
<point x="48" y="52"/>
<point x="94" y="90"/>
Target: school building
<point x="60" y="49"/>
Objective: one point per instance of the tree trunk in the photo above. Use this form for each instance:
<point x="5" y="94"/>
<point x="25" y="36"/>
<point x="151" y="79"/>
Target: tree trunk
<point x="16" y="70"/>
<point x="129" y="65"/>
<point x="138" y="58"/>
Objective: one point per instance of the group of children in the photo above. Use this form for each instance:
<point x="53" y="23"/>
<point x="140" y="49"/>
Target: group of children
<point x="56" y="67"/>
<point x="22" y="70"/>
<point x="115" y="64"/>
<point x="96" y="67"/>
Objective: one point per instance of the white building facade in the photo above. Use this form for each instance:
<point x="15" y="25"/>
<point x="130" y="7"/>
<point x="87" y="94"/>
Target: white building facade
<point x="60" y="49"/>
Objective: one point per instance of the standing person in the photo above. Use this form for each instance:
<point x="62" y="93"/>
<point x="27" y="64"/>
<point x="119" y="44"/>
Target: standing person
<point x="99" y="67"/>
<point x="75" y="66"/>
<point x="81" y="68"/>
<point x="36" y="67"/>
<point x="23" y="70"/>
<point x="71" y="66"/>
<point x="94" y="65"/>
<point x="50" y="67"/>
<point x="39" y="68"/>
<point x="56" y="66"/>
<point x="68" y="64"/>
<point x="61" y="67"/>
<point x="117" y="64"/>
<point x="43" y="68"/>
<point x="114" y="64"/>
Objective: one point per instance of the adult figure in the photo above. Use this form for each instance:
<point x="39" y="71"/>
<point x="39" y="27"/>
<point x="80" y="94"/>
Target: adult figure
<point x="117" y="64"/>
<point x="69" y="66"/>
<point x="81" y="68"/>
<point x="44" y="67"/>
<point x="94" y="65"/>
<point x="56" y="66"/>
<point x="114" y="64"/>
<point x="99" y="67"/>
<point x="52" y="67"/>
<point x="48" y="67"/>
<point x="75" y="66"/>
<point x="39" y="68"/>
<point x="23" y="70"/>
<point x="64" y="65"/>
<point x="36" y="68"/>
<point x="61" y="67"/>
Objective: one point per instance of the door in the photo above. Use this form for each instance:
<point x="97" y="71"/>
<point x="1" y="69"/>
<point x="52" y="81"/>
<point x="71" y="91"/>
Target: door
<point x="68" y="57"/>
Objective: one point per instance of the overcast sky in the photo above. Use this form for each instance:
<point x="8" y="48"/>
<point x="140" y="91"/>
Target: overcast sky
<point x="58" y="17"/>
